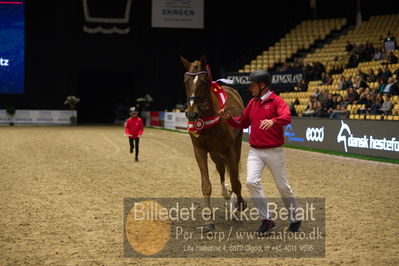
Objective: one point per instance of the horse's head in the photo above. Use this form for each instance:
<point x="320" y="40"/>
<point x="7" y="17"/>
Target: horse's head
<point x="196" y="81"/>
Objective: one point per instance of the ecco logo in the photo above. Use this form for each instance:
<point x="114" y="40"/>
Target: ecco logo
<point x="315" y="134"/>
<point x="4" y="61"/>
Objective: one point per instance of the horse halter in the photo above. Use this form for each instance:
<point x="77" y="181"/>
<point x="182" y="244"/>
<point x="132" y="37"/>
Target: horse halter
<point x="196" y="99"/>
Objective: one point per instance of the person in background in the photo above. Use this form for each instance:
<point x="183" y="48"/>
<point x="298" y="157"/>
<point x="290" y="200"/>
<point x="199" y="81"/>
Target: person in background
<point x="386" y="106"/>
<point x="371" y="77"/>
<point x="352" y="96"/>
<point x="134" y="128"/>
<point x="377" y="103"/>
<point x="342" y="84"/>
<point x="392" y="58"/>
<point x="386" y="73"/>
<point x="292" y="109"/>
<point x="377" y="54"/>
<point x="391" y="87"/>
<point x="368" y="105"/>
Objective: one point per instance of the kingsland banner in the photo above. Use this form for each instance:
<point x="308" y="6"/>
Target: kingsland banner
<point x="371" y="138"/>
<point x="178" y="14"/>
<point x="280" y="79"/>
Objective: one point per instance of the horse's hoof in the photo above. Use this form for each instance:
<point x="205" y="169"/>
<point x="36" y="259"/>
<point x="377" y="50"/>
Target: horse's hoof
<point x="227" y="194"/>
<point x="241" y="206"/>
<point x="209" y="228"/>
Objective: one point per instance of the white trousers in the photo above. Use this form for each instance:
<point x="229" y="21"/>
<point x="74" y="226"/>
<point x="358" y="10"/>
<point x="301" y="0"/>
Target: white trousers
<point x="274" y="159"/>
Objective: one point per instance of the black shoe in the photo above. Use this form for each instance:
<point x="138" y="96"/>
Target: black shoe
<point x="131" y="150"/>
<point x="294" y="227"/>
<point x="136" y="160"/>
<point x="266" y="226"/>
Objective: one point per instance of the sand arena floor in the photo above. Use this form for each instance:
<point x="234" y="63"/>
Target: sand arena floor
<point x="62" y="191"/>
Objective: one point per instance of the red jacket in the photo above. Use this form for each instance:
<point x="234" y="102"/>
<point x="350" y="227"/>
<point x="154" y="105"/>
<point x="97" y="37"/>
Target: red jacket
<point x="274" y="108"/>
<point x="134" y="127"/>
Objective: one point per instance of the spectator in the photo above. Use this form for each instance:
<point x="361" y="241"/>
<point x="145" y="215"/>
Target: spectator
<point x="340" y="112"/>
<point x="341" y="101"/>
<point x="377" y="103"/>
<point x="308" y="74"/>
<point x="352" y="96"/>
<point x="328" y="101"/>
<point x="363" y="76"/>
<point x="386" y="73"/>
<point x="357" y="82"/>
<point x="316" y="94"/>
<point x="363" y="95"/>
<point x="318" y="109"/>
<point x="323" y="95"/>
<point x="368" y="52"/>
<point x="368" y="105"/>
<point x="301" y="86"/>
<point x="326" y="79"/>
<point x="342" y="84"/>
<point x="386" y="106"/>
<point x="309" y="111"/>
<point x="377" y="54"/>
<point x="380" y="85"/>
<point x="391" y="87"/>
<point x="371" y="77"/>
<point x="292" y="109"/>
<point x="379" y="73"/>
<point x="390" y="42"/>
<point x="392" y="58"/>
<point x="317" y="70"/>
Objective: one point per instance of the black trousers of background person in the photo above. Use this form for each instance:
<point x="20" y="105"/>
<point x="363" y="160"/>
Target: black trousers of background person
<point x="136" y="142"/>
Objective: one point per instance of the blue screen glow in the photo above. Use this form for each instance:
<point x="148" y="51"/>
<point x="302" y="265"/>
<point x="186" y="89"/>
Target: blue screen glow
<point x="12" y="47"/>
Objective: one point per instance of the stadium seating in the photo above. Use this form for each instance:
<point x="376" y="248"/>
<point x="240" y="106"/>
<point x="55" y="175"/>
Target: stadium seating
<point x="301" y="37"/>
<point x="372" y="31"/>
<point x="330" y="55"/>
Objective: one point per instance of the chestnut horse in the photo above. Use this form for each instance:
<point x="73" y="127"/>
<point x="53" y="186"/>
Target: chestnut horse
<point x="211" y="134"/>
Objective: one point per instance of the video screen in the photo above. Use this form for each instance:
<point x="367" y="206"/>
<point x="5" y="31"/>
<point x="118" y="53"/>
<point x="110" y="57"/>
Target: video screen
<point x="12" y="47"/>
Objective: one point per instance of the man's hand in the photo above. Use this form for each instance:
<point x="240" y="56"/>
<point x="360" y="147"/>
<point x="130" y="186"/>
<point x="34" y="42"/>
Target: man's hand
<point x="266" y="124"/>
<point x="224" y="114"/>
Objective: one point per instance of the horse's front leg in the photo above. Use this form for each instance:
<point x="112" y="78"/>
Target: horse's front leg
<point x="202" y="161"/>
<point x="235" y="179"/>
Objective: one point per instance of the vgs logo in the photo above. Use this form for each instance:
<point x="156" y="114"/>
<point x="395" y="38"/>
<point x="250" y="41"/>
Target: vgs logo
<point x="315" y="134"/>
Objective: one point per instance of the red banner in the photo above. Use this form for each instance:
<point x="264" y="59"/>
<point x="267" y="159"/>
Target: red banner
<point x="154" y="119"/>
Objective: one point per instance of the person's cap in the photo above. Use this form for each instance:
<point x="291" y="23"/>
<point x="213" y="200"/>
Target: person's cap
<point x="258" y="76"/>
<point x="133" y="110"/>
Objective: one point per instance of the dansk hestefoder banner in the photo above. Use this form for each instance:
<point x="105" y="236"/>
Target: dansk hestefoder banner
<point x="12" y="46"/>
<point x="178" y="14"/>
<point x="361" y="137"/>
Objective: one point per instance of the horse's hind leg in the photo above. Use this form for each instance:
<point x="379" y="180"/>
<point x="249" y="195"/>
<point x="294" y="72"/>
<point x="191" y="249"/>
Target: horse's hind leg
<point x="221" y="168"/>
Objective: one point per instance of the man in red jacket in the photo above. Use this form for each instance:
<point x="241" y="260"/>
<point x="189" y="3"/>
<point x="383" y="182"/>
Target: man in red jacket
<point x="134" y="129"/>
<point x="266" y="114"/>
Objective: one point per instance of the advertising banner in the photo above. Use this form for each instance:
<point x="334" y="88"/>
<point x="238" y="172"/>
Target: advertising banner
<point x="170" y="120"/>
<point x="12" y="47"/>
<point x="361" y="137"/>
<point x="280" y="79"/>
<point x="42" y="117"/>
<point x="155" y="119"/>
<point x="178" y="14"/>
<point x="181" y="121"/>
